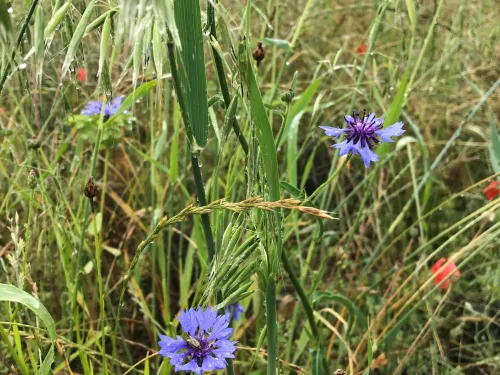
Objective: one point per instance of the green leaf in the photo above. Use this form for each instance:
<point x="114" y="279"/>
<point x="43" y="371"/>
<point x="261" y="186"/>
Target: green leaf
<point x="192" y="66"/>
<point x="495" y="146"/>
<point x="77" y="38"/>
<point x="132" y="97"/>
<point x="317" y="362"/>
<point x="10" y="293"/>
<point x="263" y="128"/>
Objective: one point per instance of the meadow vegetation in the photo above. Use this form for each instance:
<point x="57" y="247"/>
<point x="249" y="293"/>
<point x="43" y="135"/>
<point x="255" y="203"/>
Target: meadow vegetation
<point x="157" y="156"/>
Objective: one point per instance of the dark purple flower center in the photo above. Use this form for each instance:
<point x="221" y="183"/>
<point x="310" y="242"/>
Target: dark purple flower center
<point x="362" y="129"/>
<point x="198" y="347"/>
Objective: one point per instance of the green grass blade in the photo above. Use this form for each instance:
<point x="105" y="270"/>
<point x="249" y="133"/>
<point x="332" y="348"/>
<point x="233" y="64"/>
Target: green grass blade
<point x="10" y="293"/>
<point x="192" y="66"/>
<point x="105" y="38"/>
<point x="6" y="33"/>
<point x="495" y="146"/>
<point x="76" y="39"/>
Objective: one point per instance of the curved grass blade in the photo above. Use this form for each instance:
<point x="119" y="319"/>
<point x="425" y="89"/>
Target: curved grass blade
<point x="10" y="293"/>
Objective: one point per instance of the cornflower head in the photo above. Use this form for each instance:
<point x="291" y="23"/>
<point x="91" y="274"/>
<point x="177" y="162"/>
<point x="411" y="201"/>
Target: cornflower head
<point x="362" y="134"/>
<point x="234" y="310"/>
<point x="94" y="107"/>
<point x="205" y="345"/>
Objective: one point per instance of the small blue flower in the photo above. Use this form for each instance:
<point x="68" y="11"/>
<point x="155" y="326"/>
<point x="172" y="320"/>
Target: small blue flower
<point x="362" y="133"/>
<point x="206" y="344"/>
<point x="234" y="310"/>
<point x="95" y="107"/>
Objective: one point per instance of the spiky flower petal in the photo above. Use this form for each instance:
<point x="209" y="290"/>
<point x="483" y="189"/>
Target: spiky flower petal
<point x="95" y="107"/>
<point x="205" y="345"/>
<point x="362" y="134"/>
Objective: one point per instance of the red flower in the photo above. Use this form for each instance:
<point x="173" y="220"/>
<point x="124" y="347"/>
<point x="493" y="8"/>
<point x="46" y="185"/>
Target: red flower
<point x="81" y="74"/>
<point x="492" y="191"/>
<point x="442" y="270"/>
<point x="362" y="49"/>
<point x="2" y="110"/>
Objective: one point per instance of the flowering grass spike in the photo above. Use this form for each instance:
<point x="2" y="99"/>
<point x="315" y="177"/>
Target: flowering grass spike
<point x="94" y="107"/>
<point x="362" y="134"/>
<point x="234" y="311"/>
<point x="206" y="344"/>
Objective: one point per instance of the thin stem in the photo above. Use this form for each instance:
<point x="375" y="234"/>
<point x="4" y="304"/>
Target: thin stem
<point x="86" y="215"/>
<point x="20" y="36"/>
<point x="272" y="331"/>
<point x="200" y="192"/>
<point x="100" y="287"/>
<point x="219" y="67"/>
<point x="302" y="295"/>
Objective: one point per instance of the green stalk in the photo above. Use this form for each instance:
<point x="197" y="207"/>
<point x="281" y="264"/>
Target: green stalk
<point x="219" y="67"/>
<point x="20" y="36"/>
<point x="101" y="294"/>
<point x="202" y="198"/>
<point x="86" y="215"/>
<point x="272" y="330"/>
<point x="198" y="178"/>
<point x="302" y="295"/>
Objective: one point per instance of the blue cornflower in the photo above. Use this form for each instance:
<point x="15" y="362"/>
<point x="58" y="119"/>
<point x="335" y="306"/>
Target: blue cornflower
<point x="95" y="107"/>
<point x="234" y="310"/>
<point x="206" y="344"/>
<point x="362" y="133"/>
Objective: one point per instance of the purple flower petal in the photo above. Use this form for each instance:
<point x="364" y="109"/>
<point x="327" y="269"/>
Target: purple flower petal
<point x="112" y="106"/>
<point x="348" y="120"/>
<point x="220" y="328"/>
<point x="370" y="118"/>
<point x="188" y="321"/>
<point x="170" y="345"/>
<point x="213" y="363"/>
<point x="92" y="108"/>
<point x="391" y="131"/>
<point x="190" y="366"/>
<point x="333" y="132"/>
<point x="209" y="344"/>
<point x="368" y="155"/>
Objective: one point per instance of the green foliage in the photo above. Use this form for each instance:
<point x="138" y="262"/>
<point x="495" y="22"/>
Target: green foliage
<point x="355" y="293"/>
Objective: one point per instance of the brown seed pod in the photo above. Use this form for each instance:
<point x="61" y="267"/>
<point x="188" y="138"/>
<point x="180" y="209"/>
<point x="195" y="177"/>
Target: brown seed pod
<point x="258" y="54"/>
<point x="90" y="190"/>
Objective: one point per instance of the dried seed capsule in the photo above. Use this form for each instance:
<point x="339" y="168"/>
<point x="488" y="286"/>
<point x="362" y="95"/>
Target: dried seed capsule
<point x="258" y="54"/>
<point x="90" y="190"/>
